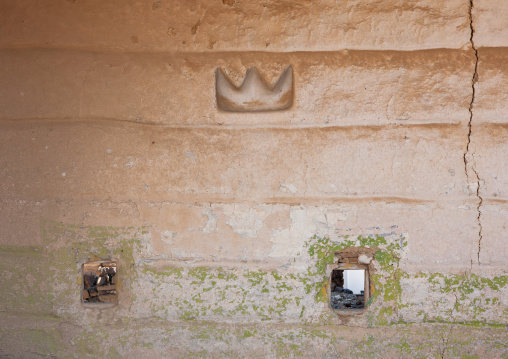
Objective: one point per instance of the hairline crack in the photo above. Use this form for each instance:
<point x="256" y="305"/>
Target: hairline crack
<point x="468" y="156"/>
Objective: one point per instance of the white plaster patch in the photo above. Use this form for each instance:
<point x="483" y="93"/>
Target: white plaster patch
<point x="244" y="220"/>
<point x="211" y="223"/>
<point x="168" y="237"/>
<point x="182" y="253"/>
<point x="305" y="222"/>
<point x="309" y="221"/>
<point x="287" y="187"/>
<point x="334" y="217"/>
<point x="449" y="187"/>
<point x="283" y="245"/>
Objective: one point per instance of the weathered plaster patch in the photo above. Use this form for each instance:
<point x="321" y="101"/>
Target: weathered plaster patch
<point x="333" y="218"/>
<point x="292" y="292"/>
<point x="211" y="223"/>
<point x="287" y="188"/>
<point x="244" y="219"/>
<point x="168" y="237"/>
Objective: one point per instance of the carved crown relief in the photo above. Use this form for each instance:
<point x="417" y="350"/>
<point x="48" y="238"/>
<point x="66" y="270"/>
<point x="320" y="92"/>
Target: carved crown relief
<point x="254" y="94"/>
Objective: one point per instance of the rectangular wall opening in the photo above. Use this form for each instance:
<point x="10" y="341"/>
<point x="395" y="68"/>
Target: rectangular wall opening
<point x="99" y="282"/>
<point x="347" y="289"/>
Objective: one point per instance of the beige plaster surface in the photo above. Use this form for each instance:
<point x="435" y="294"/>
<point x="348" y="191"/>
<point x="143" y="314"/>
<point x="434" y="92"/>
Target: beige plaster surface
<point x="331" y="88"/>
<point x="112" y="147"/>
<point x="241" y="25"/>
<point x="491" y="97"/>
<point x="250" y="234"/>
<point x="490" y="19"/>
<point x="136" y="161"/>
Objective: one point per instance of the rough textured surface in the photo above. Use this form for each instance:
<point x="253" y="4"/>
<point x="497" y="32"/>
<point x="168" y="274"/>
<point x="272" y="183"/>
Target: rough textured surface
<point x="331" y="89"/>
<point x="490" y="19"/>
<point x="154" y="339"/>
<point x="491" y="102"/>
<point x="223" y="224"/>
<point x="236" y="25"/>
<point x="255" y="233"/>
<point x="153" y="163"/>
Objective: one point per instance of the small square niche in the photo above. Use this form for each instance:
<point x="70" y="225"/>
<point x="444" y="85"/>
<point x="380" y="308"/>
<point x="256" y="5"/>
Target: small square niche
<point x="99" y="283"/>
<point x="347" y="289"/>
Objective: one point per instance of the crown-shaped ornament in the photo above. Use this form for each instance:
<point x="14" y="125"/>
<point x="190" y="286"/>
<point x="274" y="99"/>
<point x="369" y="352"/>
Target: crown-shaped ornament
<point x="254" y="94"/>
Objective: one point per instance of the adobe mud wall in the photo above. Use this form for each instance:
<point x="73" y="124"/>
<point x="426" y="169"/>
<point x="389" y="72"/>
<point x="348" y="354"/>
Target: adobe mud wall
<point x="223" y="221"/>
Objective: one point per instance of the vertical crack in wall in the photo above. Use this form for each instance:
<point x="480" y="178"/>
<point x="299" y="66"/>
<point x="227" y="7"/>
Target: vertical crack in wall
<point x="469" y="162"/>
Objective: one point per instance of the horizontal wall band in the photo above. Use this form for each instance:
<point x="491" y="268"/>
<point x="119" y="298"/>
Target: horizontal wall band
<point x="367" y="88"/>
<point x="218" y="127"/>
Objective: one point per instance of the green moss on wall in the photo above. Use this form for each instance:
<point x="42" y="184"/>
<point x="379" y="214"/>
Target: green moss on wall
<point x="47" y="278"/>
<point x="51" y="284"/>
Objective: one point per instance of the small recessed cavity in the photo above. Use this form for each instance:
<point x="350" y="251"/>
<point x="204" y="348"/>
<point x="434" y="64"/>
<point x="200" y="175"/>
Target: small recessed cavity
<point x="347" y="289"/>
<point x="99" y="282"/>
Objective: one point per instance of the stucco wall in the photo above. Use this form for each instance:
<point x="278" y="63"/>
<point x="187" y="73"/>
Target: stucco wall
<point x="222" y="223"/>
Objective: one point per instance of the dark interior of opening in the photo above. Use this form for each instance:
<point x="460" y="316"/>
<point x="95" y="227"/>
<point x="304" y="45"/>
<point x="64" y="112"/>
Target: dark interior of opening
<point x="342" y="297"/>
<point x="99" y="282"/>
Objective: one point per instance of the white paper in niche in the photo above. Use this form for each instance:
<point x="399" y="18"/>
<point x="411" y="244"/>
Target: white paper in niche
<point x="354" y="280"/>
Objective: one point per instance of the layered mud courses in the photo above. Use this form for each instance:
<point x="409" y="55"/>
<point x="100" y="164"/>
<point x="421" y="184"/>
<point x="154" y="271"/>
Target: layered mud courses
<point x="263" y="233"/>
<point x="235" y="204"/>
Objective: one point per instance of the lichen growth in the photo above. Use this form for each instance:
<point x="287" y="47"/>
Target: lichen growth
<point x="197" y="296"/>
<point x="52" y="280"/>
<point x="474" y="297"/>
<point x="385" y="283"/>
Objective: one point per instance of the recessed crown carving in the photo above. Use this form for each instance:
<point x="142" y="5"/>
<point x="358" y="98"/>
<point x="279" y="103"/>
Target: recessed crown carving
<point x="254" y="94"/>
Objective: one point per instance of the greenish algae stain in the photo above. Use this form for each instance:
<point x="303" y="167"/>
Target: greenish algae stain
<point x="233" y="291"/>
<point x="237" y="294"/>
<point x="51" y="273"/>
<point x="278" y="295"/>
<point x="386" y="282"/>
<point x="258" y="294"/>
<point x="46" y="342"/>
<point x="118" y="339"/>
<point x="386" y="296"/>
